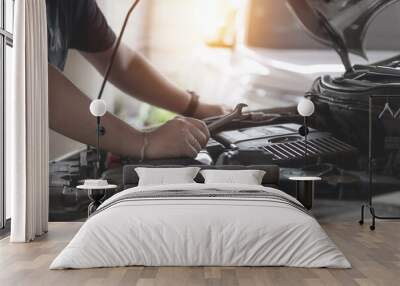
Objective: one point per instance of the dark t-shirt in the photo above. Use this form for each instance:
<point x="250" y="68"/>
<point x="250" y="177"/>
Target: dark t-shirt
<point x="75" y="24"/>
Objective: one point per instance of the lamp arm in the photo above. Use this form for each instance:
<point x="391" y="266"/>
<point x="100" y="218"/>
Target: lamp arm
<point x="114" y="53"/>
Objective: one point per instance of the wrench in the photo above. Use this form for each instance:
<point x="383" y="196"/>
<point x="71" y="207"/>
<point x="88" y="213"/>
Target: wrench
<point x="237" y="113"/>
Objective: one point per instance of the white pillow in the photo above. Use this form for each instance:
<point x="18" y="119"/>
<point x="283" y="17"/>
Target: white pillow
<point x="245" y="177"/>
<point x="166" y="176"/>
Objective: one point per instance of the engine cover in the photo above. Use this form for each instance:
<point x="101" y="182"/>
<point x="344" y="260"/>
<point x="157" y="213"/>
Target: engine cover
<point x="281" y="144"/>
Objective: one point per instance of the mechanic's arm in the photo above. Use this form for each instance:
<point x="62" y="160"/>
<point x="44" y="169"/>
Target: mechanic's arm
<point x="69" y="115"/>
<point x="135" y="76"/>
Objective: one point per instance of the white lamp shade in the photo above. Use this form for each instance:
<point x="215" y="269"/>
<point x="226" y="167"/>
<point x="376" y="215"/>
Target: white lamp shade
<point x="98" y="107"/>
<point x="305" y="107"/>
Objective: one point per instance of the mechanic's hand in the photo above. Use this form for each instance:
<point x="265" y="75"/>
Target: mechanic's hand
<point x="205" y="110"/>
<point x="179" y="137"/>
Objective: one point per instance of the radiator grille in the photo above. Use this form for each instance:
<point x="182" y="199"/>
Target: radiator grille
<point x="316" y="147"/>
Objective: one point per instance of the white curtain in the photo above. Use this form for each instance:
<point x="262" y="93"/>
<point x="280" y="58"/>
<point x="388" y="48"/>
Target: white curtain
<point x="27" y="124"/>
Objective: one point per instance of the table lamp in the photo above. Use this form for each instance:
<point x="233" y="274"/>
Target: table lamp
<point x="305" y="108"/>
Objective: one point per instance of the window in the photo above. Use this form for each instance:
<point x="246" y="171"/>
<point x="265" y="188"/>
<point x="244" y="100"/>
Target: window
<point x="6" y="42"/>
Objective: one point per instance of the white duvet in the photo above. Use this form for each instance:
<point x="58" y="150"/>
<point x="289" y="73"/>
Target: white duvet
<point x="202" y="232"/>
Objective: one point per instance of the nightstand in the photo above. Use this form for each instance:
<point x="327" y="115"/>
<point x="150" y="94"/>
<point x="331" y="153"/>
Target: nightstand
<point x="305" y="187"/>
<point x="96" y="195"/>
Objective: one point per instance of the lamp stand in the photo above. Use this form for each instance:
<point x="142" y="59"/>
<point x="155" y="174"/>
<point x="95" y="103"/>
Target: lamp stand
<point x="100" y="131"/>
<point x="305" y="136"/>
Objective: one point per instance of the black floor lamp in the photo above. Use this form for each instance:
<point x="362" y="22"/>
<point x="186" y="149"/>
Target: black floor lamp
<point x="97" y="187"/>
<point x="371" y="162"/>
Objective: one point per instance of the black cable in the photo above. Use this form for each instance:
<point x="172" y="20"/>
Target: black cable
<point x="110" y="64"/>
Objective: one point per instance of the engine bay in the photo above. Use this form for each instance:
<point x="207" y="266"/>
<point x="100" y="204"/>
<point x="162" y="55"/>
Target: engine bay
<point x="278" y="144"/>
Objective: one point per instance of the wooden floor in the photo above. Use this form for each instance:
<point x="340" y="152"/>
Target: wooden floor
<point x="375" y="257"/>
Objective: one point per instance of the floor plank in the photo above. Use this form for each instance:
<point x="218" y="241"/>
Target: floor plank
<point x="375" y="257"/>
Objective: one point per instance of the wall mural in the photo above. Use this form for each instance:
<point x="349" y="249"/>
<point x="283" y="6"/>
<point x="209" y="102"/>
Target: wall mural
<point x="259" y="116"/>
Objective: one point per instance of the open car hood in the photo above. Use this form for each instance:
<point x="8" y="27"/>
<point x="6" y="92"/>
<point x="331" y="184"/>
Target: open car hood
<point x="341" y="24"/>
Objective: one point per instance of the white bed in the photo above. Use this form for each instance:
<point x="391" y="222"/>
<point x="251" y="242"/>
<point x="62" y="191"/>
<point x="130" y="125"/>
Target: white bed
<point x="201" y="231"/>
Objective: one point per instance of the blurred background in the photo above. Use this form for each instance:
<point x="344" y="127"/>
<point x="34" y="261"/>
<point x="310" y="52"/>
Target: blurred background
<point x="251" y="51"/>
